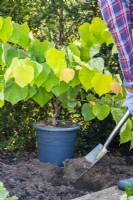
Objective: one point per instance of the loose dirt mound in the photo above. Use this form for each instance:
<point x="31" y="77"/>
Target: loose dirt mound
<point x="30" y="179"/>
<point x="74" y="169"/>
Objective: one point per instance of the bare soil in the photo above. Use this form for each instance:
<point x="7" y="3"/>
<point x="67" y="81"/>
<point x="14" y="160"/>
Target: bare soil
<point x="29" y="179"/>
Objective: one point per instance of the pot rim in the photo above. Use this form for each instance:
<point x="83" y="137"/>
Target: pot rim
<point x="77" y="127"/>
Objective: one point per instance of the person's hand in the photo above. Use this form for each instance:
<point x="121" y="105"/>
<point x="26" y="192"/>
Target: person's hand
<point x="129" y="99"/>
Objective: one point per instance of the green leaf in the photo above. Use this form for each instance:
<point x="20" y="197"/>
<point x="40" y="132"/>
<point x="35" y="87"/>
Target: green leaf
<point x="60" y="89"/>
<point x="86" y="76"/>
<point x="70" y="95"/>
<point x="12" y="198"/>
<point x="11" y="53"/>
<point x="87" y="112"/>
<point x="42" y="96"/>
<point x="117" y="114"/>
<point x="1" y="22"/>
<point x="131" y="144"/>
<point x="101" y="83"/>
<point x="85" y="56"/>
<point x="124" y="197"/>
<point x="51" y="82"/>
<point x="20" y="35"/>
<point x="75" y="80"/>
<point x="97" y="27"/>
<point x="80" y="62"/>
<point x="56" y="60"/>
<point x="1" y="95"/>
<point x="86" y="36"/>
<point x="3" y="194"/>
<point x="74" y="49"/>
<point x="14" y="93"/>
<point x="94" y="50"/>
<point x="6" y="30"/>
<point x="31" y="92"/>
<point x="43" y="75"/>
<point x="114" y="50"/>
<point x="125" y="132"/>
<point x="8" y="53"/>
<point x="1" y="53"/>
<point x="101" y="111"/>
<point x="4" y="58"/>
<point x="70" y="105"/>
<point x="107" y="37"/>
<point x="121" y="96"/>
<point x="1" y="184"/>
<point x="38" y="49"/>
<point x="97" y="63"/>
<point x="36" y="66"/>
<point x="130" y="198"/>
<point x="8" y="74"/>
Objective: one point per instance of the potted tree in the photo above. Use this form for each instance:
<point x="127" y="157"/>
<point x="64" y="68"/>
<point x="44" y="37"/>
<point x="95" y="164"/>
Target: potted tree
<point x="70" y="77"/>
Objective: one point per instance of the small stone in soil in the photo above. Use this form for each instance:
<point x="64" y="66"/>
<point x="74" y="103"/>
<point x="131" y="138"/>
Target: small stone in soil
<point x="74" y="168"/>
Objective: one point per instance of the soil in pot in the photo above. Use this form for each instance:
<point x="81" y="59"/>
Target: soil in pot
<point x="58" y="124"/>
<point x="29" y="179"/>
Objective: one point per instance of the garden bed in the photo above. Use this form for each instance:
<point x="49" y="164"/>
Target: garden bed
<point x="27" y="178"/>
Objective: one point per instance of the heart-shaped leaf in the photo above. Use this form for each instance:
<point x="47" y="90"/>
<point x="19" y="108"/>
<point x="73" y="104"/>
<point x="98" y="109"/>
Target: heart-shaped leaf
<point x="23" y="74"/>
<point x="101" y="83"/>
<point x="101" y="111"/>
<point x="67" y="75"/>
<point x="85" y="76"/>
<point x="87" y="112"/>
<point x="56" y="60"/>
<point x="115" y="87"/>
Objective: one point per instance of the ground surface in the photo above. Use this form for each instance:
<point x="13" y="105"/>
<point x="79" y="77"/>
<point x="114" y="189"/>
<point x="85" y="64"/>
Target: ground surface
<point x="29" y="179"/>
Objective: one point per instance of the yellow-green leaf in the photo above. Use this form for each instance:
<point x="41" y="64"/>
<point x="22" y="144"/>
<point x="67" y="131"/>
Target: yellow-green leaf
<point x="6" y="30"/>
<point x="86" y="36"/>
<point x="8" y="74"/>
<point x="125" y="132"/>
<point x="23" y="73"/>
<point x="97" y="27"/>
<point x="86" y="76"/>
<point x="56" y="60"/>
<point x="101" y="83"/>
<point x="101" y="111"/>
<point x="21" y="34"/>
<point x="80" y="62"/>
<point x="1" y="23"/>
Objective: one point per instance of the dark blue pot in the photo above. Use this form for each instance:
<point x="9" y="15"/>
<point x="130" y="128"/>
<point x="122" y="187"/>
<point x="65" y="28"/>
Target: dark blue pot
<point x="56" y="144"/>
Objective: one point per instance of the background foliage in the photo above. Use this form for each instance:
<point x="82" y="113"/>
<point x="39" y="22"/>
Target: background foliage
<point x="53" y="20"/>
